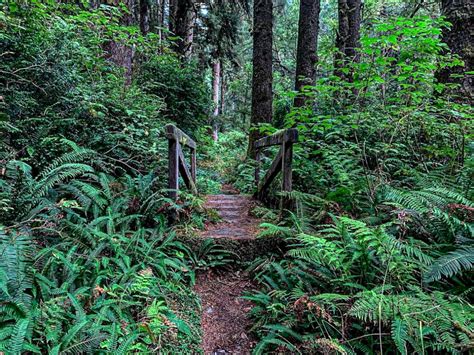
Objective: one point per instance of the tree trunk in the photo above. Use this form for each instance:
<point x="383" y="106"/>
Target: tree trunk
<point x="184" y="27"/>
<point x="348" y="37"/>
<point x="161" y="18"/>
<point x="306" y="54"/>
<point x="117" y="52"/>
<point x="216" y="83"/>
<point x="262" y="77"/>
<point x="144" y="17"/>
<point x="222" y="94"/>
<point x="216" y="72"/>
<point x="164" y="14"/>
<point x="458" y="37"/>
<point x="172" y="13"/>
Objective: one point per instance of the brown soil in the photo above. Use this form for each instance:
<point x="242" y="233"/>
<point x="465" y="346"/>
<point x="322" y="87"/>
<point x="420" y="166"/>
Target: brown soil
<point x="224" y="319"/>
<point x="229" y="189"/>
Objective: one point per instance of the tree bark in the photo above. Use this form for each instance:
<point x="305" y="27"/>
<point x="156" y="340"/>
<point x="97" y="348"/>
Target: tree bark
<point x="348" y="37"/>
<point x="162" y="18"/>
<point x="459" y="38"/>
<point x="118" y="52"/>
<point x="144" y="17"/>
<point x="216" y="73"/>
<point x="216" y="84"/>
<point x="172" y="13"/>
<point x="222" y="94"/>
<point x="262" y="77"/>
<point x="306" y="54"/>
<point x="184" y="27"/>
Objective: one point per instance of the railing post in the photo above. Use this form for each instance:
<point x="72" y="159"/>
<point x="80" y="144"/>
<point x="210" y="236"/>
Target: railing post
<point x="193" y="164"/>
<point x="257" y="167"/>
<point x="283" y="162"/>
<point x="287" y="172"/>
<point x="173" y="168"/>
<point x="176" y="161"/>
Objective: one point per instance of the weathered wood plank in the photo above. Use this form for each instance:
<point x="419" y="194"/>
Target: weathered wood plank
<point x="185" y="173"/>
<point x="173" y="162"/>
<point x="283" y="162"/>
<point x="193" y="164"/>
<point x="173" y="132"/>
<point x="257" y="167"/>
<point x="271" y="174"/>
<point x="288" y="135"/>
<point x="287" y="172"/>
<point x="287" y="168"/>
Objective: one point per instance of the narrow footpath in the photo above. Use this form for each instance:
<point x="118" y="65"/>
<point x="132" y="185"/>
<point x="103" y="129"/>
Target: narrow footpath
<point x="224" y="319"/>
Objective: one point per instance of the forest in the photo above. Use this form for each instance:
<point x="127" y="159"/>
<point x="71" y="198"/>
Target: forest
<point x="236" y="177"/>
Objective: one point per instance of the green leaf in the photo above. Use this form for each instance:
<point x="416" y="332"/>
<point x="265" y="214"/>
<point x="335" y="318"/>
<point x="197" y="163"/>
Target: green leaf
<point x="399" y="335"/>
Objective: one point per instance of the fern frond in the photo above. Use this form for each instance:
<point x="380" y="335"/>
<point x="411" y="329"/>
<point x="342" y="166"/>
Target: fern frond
<point x="400" y="335"/>
<point x="451" y="264"/>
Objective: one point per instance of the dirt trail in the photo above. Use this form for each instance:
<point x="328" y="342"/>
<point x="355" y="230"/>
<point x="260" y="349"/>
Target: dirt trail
<point x="224" y="319"/>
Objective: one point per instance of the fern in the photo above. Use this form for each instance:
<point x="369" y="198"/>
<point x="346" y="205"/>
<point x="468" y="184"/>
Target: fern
<point x="126" y="343"/>
<point x="400" y="335"/>
<point x="272" y="229"/>
<point x="451" y="264"/>
<point x="18" y="336"/>
<point x="428" y="206"/>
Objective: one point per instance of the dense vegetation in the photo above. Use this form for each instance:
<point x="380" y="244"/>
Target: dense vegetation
<point x="380" y="243"/>
<point x="87" y="259"/>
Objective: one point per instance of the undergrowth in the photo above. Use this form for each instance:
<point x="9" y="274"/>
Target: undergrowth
<point x="380" y="252"/>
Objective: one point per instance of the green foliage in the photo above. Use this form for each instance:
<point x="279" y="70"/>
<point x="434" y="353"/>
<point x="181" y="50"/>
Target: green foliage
<point x="211" y="255"/>
<point x="356" y="286"/>
<point x="181" y="89"/>
<point x="87" y="261"/>
<point x="224" y="161"/>
<point x="451" y="264"/>
<point x="107" y="268"/>
<point x="57" y="83"/>
<point x="380" y="256"/>
<point x="380" y="253"/>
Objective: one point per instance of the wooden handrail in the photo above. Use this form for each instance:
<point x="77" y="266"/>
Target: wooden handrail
<point x="173" y="132"/>
<point x="283" y="162"/>
<point x="288" y="135"/>
<point x="176" y="162"/>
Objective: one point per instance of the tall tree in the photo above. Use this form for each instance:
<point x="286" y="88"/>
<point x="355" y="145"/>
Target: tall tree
<point x="262" y="77"/>
<point x="172" y="11"/>
<point x="144" y="16"/>
<point x="216" y="85"/>
<point x="162" y="17"/>
<point x="223" y="88"/>
<point x="348" y="36"/>
<point x="118" y="52"/>
<point x="217" y="35"/>
<point x="306" y="54"/>
<point x="459" y="38"/>
<point x="185" y="21"/>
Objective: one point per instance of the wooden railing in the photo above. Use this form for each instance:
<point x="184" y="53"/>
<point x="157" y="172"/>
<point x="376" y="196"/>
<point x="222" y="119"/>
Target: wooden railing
<point x="283" y="162"/>
<point x="176" y="162"/>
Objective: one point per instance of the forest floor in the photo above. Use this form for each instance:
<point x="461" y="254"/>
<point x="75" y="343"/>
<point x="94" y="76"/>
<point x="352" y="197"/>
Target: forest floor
<point x="224" y="320"/>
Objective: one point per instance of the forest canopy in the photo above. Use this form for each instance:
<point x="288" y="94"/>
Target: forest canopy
<point x="364" y="243"/>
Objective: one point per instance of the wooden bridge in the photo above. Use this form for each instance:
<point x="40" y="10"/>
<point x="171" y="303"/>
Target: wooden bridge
<point x="283" y="162"/>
